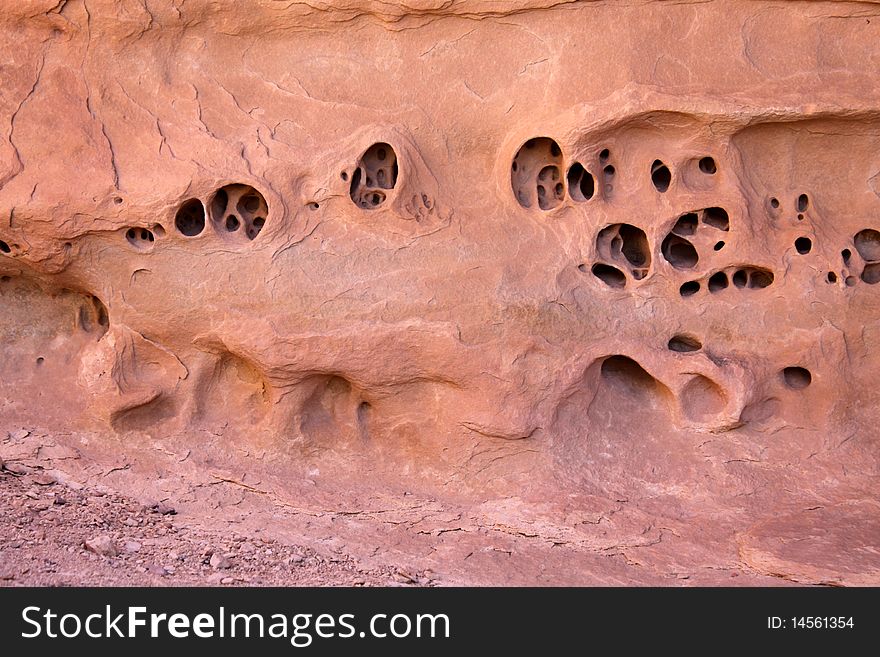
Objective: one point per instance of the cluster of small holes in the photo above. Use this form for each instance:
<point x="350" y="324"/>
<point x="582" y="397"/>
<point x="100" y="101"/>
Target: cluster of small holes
<point x="754" y="278"/>
<point x="234" y="209"/>
<point x="678" y="248"/>
<point x="375" y="173"/>
<point x="190" y="218"/>
<point x="535" y="174"/>
<point x="140" y="238"/>
<point x="239" y="209"/>
<point x="628" y="248"/>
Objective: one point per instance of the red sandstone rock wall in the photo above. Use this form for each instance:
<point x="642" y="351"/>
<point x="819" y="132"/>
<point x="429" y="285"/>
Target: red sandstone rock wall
<point x="571" y="253"/>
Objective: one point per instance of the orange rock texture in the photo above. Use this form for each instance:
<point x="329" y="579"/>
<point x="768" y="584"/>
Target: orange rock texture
<point x="524" y="292"/>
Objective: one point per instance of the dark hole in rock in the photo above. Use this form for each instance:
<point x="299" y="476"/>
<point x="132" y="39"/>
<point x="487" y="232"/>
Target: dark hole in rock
<point x="800" y="217"/>
<point x="604" y="154"/>
<point x="627" y="373"/>
<point x="40" y="360"/>
<point x="313" y="206"/>
<point x="190" y="219"/>
<point x="740" y="278"/>
<point x="850" y="281"/>
<point x="871" y="273"/>
<point x="635" y="246"/>
<point x="684" y="343"/>
<point x="355" y="182"/>
<point x="232" y="223"/>
<point x="689" y="289"/>
<point x="803" y="202"/>
<point x="4" y="247"/>
<point x="832" y="277"/>
<point x="609" y="172"/>
<point x="660" y="176"/>
<point x="137" y="236"/>
<point x="117" y="200"/>
<point x="611" y="276"/>
<point x="686" y="224"/>
<point x="846" y="254"/>
<point x="258" y="224"/>
<point x="680" y="253"/>
<point x="803" y="245"/>
<point x="717" y="218"/>
<point x="549" y="173"/>
<point x="718" y="246"/>
<point x="581" y="185"/>
<point x="707" y="165"/>
<point x="760" y="278"/>
<point x="797" y="378"/>
<point x="219" y="203"/>
<point x="774" y="202"/>
<point x="717" y="282"/>
<point x="377" y="168"/>
<point x="868" y="244"/>
<point x="251" y="203"/>
<point x="344" y="176"/>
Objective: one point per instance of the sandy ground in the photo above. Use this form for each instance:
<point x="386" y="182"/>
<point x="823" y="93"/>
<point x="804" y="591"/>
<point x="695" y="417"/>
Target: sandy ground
<point x="58" y="535"/>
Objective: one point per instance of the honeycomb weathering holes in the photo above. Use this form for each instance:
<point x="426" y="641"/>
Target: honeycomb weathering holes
<point x="239" y="209"/>
<point x="581" y="184"/>
<point x="679" y="252"/>
<point x="686" y="224"/>
<point x="717" y="282"/>
<point x="536" y="174"/>
<point x="752" y="277"/>
<point x="868" y="244"/>
<point x="627" y="247"/>
<point x="376" y="172"/>
<point x="190" y="219"/>
<point x="707" y="165"/>
<point x="660" y="176"/>
<point x="611" y="276"/>
<point x="140" y="238"/>
<point x="717" y="218"/>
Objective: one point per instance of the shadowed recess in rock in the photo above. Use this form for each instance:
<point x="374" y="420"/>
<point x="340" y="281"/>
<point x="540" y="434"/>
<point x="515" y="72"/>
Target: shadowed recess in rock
<point x="535" y="174"/>
<point x="375" y="174"/>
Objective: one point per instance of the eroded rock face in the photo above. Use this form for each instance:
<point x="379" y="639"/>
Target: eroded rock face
<point x="354" y="243"/>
